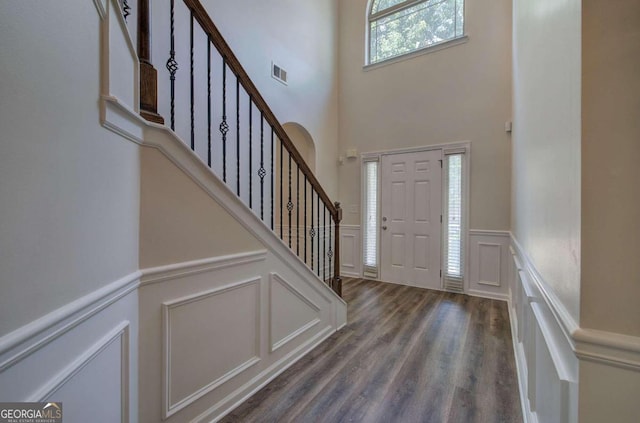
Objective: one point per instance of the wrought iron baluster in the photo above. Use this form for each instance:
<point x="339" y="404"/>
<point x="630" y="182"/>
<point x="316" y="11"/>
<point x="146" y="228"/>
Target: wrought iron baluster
<point x="126" y="10"/>
<point x="305" y="218"/>
<point x="250" y="152"/>
<point x="272" y="178"/>
<point x="281" y="194"/>
<point x="224" y="126"/>
<point x="209" y="109"/>
<point x="191" y="85"/>
<point x="324" y="243"/>
<point x="330" y="252"/>
<point x="238" y="136"/>
<point x="312" y="231"/>
<point x="262" y="172"/>
<point x="289" y="203"/>
<point x="172" y="65"/>
<point x="298" y="210"/>
<point x="318" y="239"/>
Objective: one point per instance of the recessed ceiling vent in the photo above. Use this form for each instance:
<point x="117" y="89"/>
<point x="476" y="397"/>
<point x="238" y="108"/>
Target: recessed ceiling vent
<point x="278" y="73"/>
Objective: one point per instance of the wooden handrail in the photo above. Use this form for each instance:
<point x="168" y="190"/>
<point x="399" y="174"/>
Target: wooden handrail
<point x="201" y="15"/>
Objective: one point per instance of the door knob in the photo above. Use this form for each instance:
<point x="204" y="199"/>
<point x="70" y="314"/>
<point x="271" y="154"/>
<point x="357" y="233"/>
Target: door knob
<point x="384" y="218"/>
<point x="384" y="228"/>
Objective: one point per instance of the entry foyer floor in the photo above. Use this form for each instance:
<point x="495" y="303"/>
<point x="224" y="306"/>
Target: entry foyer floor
<point x="406" y="355"/>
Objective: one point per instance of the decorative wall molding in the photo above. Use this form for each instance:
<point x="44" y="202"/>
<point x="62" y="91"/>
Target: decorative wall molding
<point x="172" y="271"/>
<point x="233" y="400"/>
<point x="350" y="251"/>
<point x="119" y="333"/>
<point x="170" y="406"/>
<point x="60" y="355"/>
<point x="275" y="344"/>
<point x="196" y="295"/>
<point x="30" y="338"/>
<point x="487" y="258"/>
<point x="121" y="119"/>
<point x="546" y="365"/>
<point x="611" y="349"/>
<point x="561" y="314"/>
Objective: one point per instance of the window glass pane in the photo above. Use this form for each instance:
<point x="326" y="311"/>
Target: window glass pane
<point x="384" y="4"/>
<point x="454" y="216"/>
<point x="371" y="215"/>
<point x="415" y="27"/>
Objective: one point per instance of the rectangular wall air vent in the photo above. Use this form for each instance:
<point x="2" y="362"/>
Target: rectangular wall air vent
<point x="278" y="73"/>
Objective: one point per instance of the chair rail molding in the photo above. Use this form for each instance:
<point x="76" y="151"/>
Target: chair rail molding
<point x="549" y="345"/>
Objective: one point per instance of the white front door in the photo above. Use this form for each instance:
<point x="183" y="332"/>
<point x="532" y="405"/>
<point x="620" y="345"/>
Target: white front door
<point x="411" y="209"/>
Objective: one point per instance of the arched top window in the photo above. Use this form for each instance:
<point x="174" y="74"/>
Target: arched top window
<point x="398" y="27"/>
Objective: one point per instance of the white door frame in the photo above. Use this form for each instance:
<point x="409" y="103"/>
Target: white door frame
<point x="447" y="148"/>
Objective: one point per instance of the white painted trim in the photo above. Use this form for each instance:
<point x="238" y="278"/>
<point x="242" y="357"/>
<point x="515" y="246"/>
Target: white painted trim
<point x="119" y="118"/>
<point x="562" y="315"/>
<point x="130" y="46"/>
<point x="275" y="276"/>
<point x="562" y="369"/>
<point x="158" y="274"/>
<point x="416" y="53"/>
<point x="257" y="383"/>
<point x="273" y="346"/>
<point x="101" y="8"/>
<point x="119" y="332"/>
<point x="50" y="327"/>
<point x="494" y="245"/>
<point x="484" y="232"/>
<point x="521" y="368"/>
<point x="277" y="345"/>
<point x="487" y="295"/>
<point x="608" y="348"/>
<point x="170" y="409"/>
<point x="372" y="155"/>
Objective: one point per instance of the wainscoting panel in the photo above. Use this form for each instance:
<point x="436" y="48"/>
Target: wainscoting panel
<point x="228" y="325"/>
<point x="488" y="264"/>
<point x="350" y="251"/>
<point x="83" y="354"/>
<point x="547" y="365"/>
<point x="291" y="313"/>
<point x="191" y="372"/>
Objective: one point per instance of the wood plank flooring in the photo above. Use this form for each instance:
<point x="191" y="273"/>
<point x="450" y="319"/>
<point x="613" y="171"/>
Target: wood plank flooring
<point x="406" y="355"/>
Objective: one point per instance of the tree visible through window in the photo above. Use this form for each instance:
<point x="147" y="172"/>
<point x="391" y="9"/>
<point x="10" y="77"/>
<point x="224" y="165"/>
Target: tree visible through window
<point x="398" y="27"/>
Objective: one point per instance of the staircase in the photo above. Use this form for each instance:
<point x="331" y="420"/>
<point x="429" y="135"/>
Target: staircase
<point x="215" y="108"/>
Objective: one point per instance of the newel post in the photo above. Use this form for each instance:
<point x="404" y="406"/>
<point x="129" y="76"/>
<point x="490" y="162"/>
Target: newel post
<point x="337" y="280"/>
<point x="148" y="74"/>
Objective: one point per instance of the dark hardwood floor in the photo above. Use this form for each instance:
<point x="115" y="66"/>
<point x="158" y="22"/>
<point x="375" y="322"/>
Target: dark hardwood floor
<point x="406" y="355"/>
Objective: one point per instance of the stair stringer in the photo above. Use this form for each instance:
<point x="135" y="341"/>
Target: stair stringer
<point x="275" y="276"/>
